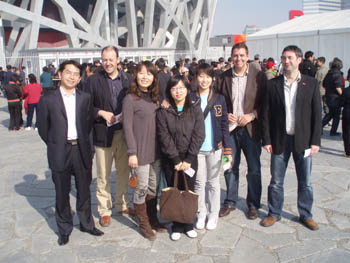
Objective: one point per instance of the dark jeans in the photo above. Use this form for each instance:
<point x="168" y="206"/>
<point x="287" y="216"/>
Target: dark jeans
<point x="31" y="108"/>
<point x="15" y="115"/>
<point x="279" y="164"/>
<point x="252" y="151"/>
<point x="346" y="129"/>
<point x="334" y="113"/>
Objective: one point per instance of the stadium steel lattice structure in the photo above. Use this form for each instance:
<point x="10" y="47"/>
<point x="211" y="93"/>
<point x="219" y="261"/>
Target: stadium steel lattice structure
<point x="176" y="24"/>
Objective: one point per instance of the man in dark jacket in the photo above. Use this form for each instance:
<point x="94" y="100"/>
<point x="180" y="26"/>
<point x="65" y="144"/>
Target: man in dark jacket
<point x="333" y="84"/>
<point x="242" y="88"/>
<point x="107" y="89"/>
<point x="307" y="67"/>
<point x="64" y="123"/>
<point x="291" y="125"/>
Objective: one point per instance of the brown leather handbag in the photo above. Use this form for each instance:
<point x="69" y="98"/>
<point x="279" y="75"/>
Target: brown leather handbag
<point x="178" y="206"/>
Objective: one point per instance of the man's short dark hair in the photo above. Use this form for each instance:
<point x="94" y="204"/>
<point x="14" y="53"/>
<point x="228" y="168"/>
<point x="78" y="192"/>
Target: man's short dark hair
<point x="322" y="59"/>
<point x="160" y="63"/>
<point x="8" y="67"/>
<point x="294" y="49"/>
<point x="221" y="59"/>
<point x="45" y="69"/>
<point x="239" y="46"/>
<point x="308" y="54"/>
<point x="110" y="47"/>
<point x="256" y="57"/>
<point x="187" y="60"/>
<point x="70" y="62"/>
<point x="337" y="63"/>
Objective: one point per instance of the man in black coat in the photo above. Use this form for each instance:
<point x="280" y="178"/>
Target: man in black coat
<point x="307" y="67"/>
<point x="64" y="123"/>
<point x="291" y="124"/>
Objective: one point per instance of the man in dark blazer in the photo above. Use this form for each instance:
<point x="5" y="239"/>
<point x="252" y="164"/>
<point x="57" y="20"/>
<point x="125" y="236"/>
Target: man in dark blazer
<point x="107" y="89"/>
<point x="64" y="123"/>
<point x="243" y="86"/>
<point x="291" y="125"/>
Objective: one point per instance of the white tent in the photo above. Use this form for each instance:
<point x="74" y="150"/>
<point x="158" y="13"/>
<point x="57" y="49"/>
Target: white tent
<point x="326" y="34"/>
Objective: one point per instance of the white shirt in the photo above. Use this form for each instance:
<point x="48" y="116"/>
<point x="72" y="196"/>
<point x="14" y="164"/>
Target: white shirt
<point x="239" y="84"/>
<point x="290" y="95"/>
<point x="69" y="104"/>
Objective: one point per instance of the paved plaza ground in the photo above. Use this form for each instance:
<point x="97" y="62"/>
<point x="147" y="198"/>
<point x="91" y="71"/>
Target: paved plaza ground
<point x="27" y="222"/>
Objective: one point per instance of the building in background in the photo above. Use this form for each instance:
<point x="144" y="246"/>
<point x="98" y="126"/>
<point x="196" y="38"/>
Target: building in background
<point x="321" y="6"/>
<point x="145" y="26"/>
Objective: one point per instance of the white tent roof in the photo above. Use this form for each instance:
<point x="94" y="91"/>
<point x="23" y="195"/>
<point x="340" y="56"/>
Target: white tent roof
<point x="323" y="23"/>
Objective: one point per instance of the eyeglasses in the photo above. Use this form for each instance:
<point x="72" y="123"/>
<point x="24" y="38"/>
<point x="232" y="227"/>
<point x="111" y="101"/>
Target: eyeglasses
<point x="173" y="89"/>
<point x="70" y="73"/>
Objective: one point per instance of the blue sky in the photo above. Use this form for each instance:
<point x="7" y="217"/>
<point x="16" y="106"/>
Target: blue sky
<point x="233" y="15"/>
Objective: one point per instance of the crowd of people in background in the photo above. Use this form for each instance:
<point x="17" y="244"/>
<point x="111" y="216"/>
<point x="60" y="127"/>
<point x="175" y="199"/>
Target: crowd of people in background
<point x="150" y="117"/>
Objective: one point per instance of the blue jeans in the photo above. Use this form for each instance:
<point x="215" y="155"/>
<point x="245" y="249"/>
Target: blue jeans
<point x="279" y="165"/>
<point x="31" y="108"/>
<point x="252" y="151"/>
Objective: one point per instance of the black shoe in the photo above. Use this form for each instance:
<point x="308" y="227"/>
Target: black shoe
<point x="334" y="133"/>
<point x="63" y="239"/>
<point x="94" y="231"/>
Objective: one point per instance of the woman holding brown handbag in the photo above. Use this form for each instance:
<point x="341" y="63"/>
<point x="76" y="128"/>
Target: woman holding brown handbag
<point x="180" y="129"/>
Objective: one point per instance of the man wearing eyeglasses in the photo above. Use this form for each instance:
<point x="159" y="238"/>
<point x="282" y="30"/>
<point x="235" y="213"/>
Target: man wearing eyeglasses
<point x="64" y="123"/>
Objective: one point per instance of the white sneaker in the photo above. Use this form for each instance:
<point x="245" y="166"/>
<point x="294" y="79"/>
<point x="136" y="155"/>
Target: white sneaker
<point x="212" y="223"/>
<point x="28" y="128"/>
<point x="200" y="223"/>
<point x="191" y="234"/>
<point x="36" y="128"/>
<point x="175" y="236"/>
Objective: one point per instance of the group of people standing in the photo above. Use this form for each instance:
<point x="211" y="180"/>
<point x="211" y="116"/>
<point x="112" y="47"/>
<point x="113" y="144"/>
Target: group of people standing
<point x="186" y="131"/>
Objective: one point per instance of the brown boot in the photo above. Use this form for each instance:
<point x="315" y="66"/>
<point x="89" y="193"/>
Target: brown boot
<point x="151" y="202"/>
<point x="144" y="224"/>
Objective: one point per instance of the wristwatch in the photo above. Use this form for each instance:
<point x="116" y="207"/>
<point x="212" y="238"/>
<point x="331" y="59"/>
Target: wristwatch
<point x="252" y="115"/>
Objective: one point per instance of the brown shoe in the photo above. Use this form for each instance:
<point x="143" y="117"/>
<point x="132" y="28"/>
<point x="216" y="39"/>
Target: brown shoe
<point x="309" y="223"/>
<point x="144" y="225"/>
<point x="225" y="211"/>
<point x="105" y="221"/>
<point x="151" y="203"/>
<point x="129" y="211"/>
<point x="252" y="213"/>
<point x="269" y="221"/>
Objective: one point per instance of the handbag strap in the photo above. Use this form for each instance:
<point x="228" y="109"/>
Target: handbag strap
<point x="209" y="105"/>
<point x="176" y="179"/>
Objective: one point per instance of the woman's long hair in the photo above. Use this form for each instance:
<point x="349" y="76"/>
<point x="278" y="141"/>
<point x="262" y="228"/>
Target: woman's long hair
<point x="173" y="81"/>
<point x="134" y="89"/>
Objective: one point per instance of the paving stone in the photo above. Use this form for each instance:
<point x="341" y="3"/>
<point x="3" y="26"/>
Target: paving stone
<point x="341" y="179"/>
<point x="324" y="233"/>
<point x="342" y="222"/>
<point x="43" y="244"/>
<point x="330" y="187"/>
<point x="304" y="249"/>
<point x="59" y="255"/>
<point x="98" y="253"/>
<point x="272" y="241"/>
<point x="321" y="194"/>
<point x="185" y="245"/>
<point x="335" y="255"/>
<point x="11" y="247"/>
<point x="221" y="259"/>
<point x="215" y="251"/>
<point x="340" y="205"/>
<point x="27" y="221"/>
<point x="244" y="252"/>
<point x="22" y="257"/>
<point x="224" y="236"/>
<point x="347" y="245"/>
<point x="199" y="259"/>
<point x="129" y="237"/>
<point x="137" y="255"/>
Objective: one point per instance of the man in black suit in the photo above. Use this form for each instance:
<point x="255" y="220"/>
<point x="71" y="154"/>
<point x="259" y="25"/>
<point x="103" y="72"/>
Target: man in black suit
<point x="64" y="123"/>
<point x="291" y="124"/>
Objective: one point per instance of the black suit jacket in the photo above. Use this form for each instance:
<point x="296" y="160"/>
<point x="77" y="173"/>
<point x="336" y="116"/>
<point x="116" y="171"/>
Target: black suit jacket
<point x="98" y="87"/>
<point x="308" y="120"/>
<point x="256" y="84"/>
<point x="53" y="127"/>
